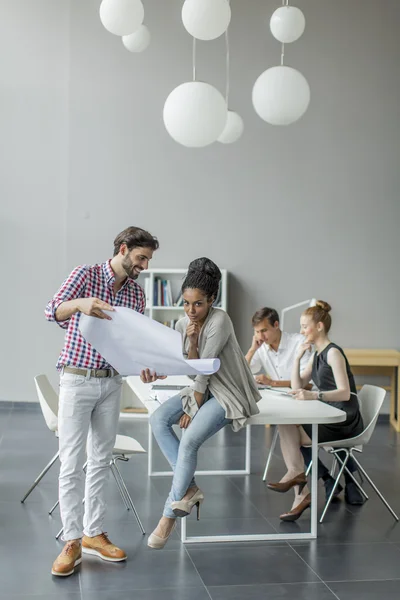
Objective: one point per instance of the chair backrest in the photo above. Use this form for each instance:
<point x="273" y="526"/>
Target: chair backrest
<point x="370" y="399"/>
<point x="48" y="401"/>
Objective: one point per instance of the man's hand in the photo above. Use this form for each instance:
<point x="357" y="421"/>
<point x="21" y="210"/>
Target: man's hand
<point x="304" y="395"/>
<point x="184" y="421"/>
<point x="147" y="377"/>
<point x="264" y="380"/>
<point x="193" y="332"/>
<point x="255" y="344"/>
<point x="303" y="348"/>
<point x="93" y="307"/>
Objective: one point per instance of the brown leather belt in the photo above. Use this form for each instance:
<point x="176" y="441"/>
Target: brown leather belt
<point x="91" y="372"/>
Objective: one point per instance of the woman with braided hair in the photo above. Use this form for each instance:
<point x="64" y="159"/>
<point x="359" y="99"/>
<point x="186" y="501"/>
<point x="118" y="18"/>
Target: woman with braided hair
<point x="229" y="396"/>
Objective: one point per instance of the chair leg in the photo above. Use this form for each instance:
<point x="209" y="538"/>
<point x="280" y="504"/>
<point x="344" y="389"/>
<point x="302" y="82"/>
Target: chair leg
<point x="308" y="468"/>
<point x="335" y="486"/>
<point x="40" y="477"/>
<point x="120" y="489"/>
<point x="271" y="451"/>
<point x="53" y="508"/>
<point x="368" y="478"/>
<point x="126" y="492"/>
<point x="358" y="484"/>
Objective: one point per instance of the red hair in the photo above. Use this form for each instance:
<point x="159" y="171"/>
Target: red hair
<point x="320" y="314"/>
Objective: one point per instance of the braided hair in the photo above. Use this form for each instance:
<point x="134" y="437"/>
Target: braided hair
<point x="204" y="275"/>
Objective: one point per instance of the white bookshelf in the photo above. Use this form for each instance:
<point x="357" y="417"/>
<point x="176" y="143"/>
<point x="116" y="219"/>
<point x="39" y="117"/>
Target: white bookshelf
<point x="166" y="314"/>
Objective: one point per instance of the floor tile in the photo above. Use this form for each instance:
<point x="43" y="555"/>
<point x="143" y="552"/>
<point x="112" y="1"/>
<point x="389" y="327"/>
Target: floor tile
<point x="367" y="590"/>
<point x="259" y="564"/>
<point x="60" y="595"/>
<point x="339" y="527"/>
<point x="292" y="591"/>
<point x="143" y="570"/>
<point x="29" y="573"/>
<point x="177" y="593"/>
<point x="351" y="562"/>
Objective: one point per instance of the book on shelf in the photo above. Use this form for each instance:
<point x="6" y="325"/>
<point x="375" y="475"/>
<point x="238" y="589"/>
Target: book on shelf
<point x="179" y="301"/>
<point x="162" y="293"/>
<point x="171" y="323"/>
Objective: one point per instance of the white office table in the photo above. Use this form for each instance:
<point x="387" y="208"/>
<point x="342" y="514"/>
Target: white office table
<point x="274" y="410"/>
<point x="141" y="391"/>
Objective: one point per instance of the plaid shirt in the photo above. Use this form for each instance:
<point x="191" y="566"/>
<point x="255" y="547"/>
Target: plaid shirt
<point x="90" y="282"/>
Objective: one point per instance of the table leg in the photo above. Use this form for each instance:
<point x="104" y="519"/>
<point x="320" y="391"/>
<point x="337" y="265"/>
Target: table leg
<point x="314" y="481"/>
<point x="248" y="450"/>
<point x="395" y="399"/>
<point x="183" y="530"/>
<point x="150" y="452"/>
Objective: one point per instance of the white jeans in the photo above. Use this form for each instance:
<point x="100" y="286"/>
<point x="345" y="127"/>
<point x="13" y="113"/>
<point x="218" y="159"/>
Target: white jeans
<point x="91" y="406"/>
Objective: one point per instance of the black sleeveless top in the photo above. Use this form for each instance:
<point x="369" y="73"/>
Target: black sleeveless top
<point x="322" y="376"/>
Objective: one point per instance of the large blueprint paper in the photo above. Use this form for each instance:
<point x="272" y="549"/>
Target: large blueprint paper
<point x="131" y="342"/>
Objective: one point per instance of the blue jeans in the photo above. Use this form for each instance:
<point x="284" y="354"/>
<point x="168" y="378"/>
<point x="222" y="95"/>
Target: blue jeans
<point x="182" y="454"/>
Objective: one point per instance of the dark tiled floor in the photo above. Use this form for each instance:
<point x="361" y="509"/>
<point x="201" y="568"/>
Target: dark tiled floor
<point x="357" y="554"/>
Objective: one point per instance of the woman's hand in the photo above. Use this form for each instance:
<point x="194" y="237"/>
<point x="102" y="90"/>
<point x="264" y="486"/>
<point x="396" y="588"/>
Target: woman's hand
<point x="304" y="395"/>
<point x="184" y="421"/>
<point x="147" y="377"/>
<point x="193" y="332"/>
<point x="303" y="348"/>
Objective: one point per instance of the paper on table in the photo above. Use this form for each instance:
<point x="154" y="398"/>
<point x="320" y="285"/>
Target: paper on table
<point x="131" y="342"/>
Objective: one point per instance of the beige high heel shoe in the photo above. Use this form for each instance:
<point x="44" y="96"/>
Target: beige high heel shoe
<point x="182" y="508"/>
<point x="157" y="542"/>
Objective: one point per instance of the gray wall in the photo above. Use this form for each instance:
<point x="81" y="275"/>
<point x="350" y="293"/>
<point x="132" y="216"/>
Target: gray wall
<point x="307" y="210"/>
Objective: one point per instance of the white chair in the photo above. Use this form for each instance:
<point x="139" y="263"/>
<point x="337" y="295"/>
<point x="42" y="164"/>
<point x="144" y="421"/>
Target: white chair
<point x="124" y="447"/>
<point x="49" y="404"/>
<point x="371" y="399"/>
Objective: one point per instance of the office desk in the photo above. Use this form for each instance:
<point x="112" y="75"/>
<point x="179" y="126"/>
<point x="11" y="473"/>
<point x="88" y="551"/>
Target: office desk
<point x="379" y="362"/>
<point x="274" y="410"/>
<point x="141" y="392"/>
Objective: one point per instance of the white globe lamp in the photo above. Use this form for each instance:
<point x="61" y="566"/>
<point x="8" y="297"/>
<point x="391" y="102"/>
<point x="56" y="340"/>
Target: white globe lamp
<point x="121" y="17"/>
<point x="287" y="24"/>
<point x="233" y="128"/>
<point x="206" y="19"/>
<point x="195" y="114"/>
<point x="138" y="40"/>
<point x="281" y="95"/>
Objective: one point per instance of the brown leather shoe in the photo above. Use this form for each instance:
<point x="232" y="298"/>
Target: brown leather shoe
<point x="68" y="559"/>
<point x="285" y="486"/>
<point x="101" y="546"/>
<point x="296" y="512"/>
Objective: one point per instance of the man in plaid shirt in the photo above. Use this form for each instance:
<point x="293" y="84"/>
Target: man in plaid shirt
<point x="90" y="393"/>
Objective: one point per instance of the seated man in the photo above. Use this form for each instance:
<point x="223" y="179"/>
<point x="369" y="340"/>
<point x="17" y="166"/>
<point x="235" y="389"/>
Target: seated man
<point x="273" y="351"/>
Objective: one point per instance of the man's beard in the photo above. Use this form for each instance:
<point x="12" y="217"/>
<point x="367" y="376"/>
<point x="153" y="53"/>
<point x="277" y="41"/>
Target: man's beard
<point x="129" y="267"/>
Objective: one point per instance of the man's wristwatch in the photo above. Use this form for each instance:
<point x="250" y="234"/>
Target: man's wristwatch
<point x="320" y="395"/>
